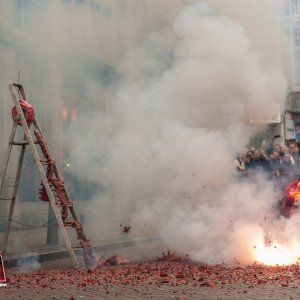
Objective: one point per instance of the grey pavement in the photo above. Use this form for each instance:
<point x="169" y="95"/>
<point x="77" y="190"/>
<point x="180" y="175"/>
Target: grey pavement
<point x="72" y="292"/>
<point x="104" y="290"/>
<point x="107" y="290"/>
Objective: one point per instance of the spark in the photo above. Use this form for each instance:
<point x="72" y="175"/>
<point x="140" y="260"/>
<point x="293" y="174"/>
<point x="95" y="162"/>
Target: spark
<point x="274" y="254"/>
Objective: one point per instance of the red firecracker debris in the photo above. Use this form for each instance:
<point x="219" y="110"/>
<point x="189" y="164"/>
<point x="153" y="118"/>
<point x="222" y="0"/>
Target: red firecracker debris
<point x="169" y="270"/>
<point x="126" y="229"/>
<point x="169" y="257"/>
<point x="114" y="260"/>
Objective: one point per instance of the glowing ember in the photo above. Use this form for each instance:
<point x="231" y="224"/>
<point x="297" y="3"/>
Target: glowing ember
<point x="275" y="254"/>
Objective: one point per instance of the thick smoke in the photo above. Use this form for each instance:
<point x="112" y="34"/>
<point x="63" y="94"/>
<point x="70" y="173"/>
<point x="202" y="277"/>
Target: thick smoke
<point x="160" y="147"/>
<point x="162" y="153"/>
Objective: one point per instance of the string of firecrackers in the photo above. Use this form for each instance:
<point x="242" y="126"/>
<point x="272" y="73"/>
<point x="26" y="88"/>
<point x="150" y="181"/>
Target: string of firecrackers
<point x="2" y="272"/>
<point x="160" y="272"/>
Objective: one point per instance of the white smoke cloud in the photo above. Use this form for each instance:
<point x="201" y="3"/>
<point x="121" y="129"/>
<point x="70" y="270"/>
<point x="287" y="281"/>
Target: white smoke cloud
<point x="163" y="152"/>
<point x="161" y="149"/>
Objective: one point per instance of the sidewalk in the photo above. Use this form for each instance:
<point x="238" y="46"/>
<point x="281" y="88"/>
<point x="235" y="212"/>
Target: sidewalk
<point x="48" y="253"/>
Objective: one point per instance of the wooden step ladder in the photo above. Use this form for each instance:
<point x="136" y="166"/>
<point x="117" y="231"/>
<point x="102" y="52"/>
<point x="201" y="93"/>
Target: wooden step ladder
<point x="52" y="188"/>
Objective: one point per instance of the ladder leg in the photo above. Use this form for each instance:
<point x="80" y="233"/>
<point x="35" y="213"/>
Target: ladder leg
<point x="3" y="174"/>
<point x="7" y="156"/>
<point x="13" y="197"/>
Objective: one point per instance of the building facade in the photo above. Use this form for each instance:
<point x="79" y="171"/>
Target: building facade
<point x="293" y="99"/>
<point x="64" y="52"/>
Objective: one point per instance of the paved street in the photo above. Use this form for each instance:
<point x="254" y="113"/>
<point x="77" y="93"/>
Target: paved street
<point x="174" y="281"/>
<point x="72" y="292"/>
<point x="60" y="284"/>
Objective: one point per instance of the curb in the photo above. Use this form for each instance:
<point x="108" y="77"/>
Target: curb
<point x="28" y="258"/>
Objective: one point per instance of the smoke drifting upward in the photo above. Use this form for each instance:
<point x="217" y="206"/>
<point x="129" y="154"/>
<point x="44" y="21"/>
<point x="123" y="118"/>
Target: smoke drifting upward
<point x="162" y="153"/>
<point x="160" y="149"/>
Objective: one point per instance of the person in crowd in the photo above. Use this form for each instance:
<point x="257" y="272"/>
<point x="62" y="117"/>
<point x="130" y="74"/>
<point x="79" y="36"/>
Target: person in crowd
<point x="294" y="151"/>
<point x="291" y="199"/>
<point x="286" y="170"/>
<point x="278" y="148"/>
<point x="252" y="150"/>
<point x="257" y="161"/>
<point x="287" y="159"/>
<point x="286" y="164"/>
<point x="239" y="162"/>
<point x="275" y="162"/>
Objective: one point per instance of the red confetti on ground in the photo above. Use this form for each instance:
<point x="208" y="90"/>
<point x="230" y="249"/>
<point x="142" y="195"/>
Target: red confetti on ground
<point x="169" y="273"/>
<point x="114" y="260"/>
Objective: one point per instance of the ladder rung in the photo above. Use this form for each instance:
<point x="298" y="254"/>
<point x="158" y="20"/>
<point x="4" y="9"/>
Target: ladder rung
<point x="58" y="204"/>
<point x="2" y="198"/>
<point x="22" y="143"/>
<point x="68" y="226"/>
<point x="76" y="247"/>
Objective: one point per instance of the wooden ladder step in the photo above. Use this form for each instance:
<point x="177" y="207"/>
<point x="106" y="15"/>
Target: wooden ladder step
<point x="16" y="143"/>
<point x="77" y="247"/>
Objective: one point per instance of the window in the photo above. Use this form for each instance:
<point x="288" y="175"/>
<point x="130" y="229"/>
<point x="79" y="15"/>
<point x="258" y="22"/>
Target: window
<point x="295" y="7"/>
<point x="296" y="36"/>
<point x="26" y="13"/>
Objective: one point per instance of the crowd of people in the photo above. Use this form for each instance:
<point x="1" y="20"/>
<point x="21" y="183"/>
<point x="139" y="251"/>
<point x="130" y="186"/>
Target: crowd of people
<point x="278" y="162"/>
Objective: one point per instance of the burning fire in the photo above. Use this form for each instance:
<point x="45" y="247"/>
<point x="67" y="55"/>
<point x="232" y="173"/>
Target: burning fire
<point x="275" y="254"/>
